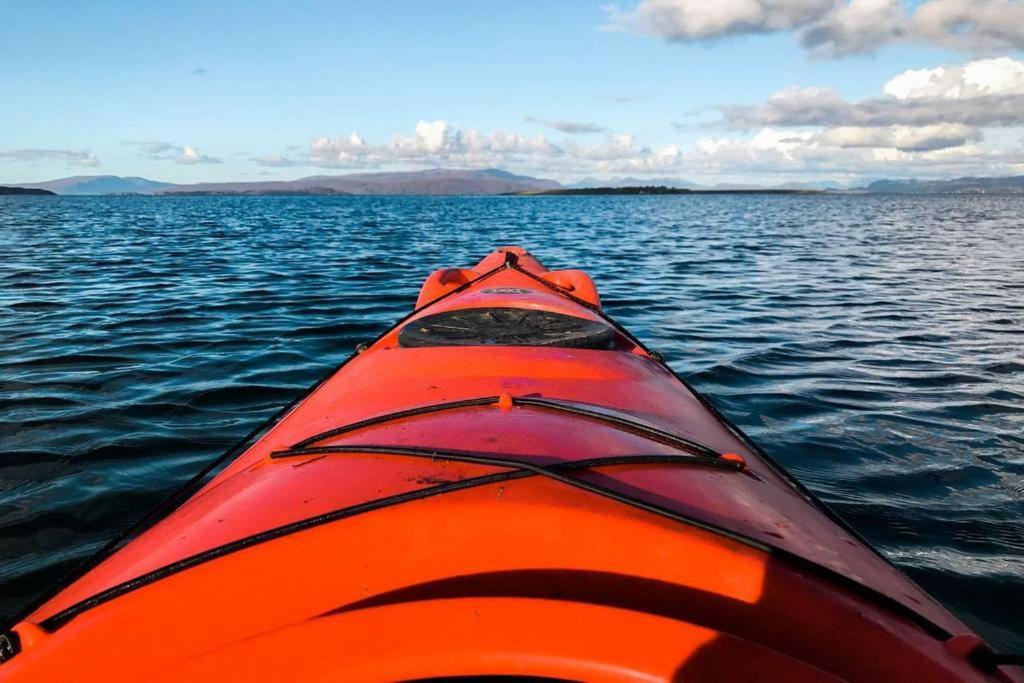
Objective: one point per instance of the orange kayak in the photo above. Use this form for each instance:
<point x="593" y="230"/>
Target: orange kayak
<point x="504" y="484"/>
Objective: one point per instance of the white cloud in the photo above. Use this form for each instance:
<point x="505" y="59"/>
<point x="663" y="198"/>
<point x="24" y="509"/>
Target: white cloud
<point x="570" y="127"/>
<point x="833" y="28"/>
<point x="432" y="142"/>
<point x="902" y="138"/>
<point x="688" y="20"/>
<point x="190" y="155"/>
<point x="440" y="143"/>
<point x="1001" y="76"/>
<point x="800" y="133"/>
<point x="276" y="161"/>
<point x="981" y="93"/>
<point x="159" y="150"/>
<point x="330" y="151"/>
<point x="971" y="24"/>
<point x="154" y="147"/>
<point x="74" y="157"/>
<point x="858" y="26"/>
<point x="619" y="146"/>
<point x="791" y="107"/>
<point x="773" y="153"/>
<point x="430" y="138"/>
<point x="928" y="122"/>
<point x="769" y="149"/>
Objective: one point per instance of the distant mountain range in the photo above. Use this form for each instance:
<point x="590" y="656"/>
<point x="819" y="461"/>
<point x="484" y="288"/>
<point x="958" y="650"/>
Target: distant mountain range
<point x="659" y="189"/>
<point x="99" y="184"/>
<point x="1014" y="184"/>
<point x="430" y="182"/>
<point x="481" y="182"/>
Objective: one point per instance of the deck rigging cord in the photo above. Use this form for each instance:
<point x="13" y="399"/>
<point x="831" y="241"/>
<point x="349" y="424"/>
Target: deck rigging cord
<point x="626" y="424"/>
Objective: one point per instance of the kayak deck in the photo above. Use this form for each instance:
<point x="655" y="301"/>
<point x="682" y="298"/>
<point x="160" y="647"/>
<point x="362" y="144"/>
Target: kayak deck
<point x="549" y="476"/>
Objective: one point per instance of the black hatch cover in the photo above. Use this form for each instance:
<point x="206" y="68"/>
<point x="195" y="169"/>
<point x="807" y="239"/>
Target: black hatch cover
<point x="506" y="327"/>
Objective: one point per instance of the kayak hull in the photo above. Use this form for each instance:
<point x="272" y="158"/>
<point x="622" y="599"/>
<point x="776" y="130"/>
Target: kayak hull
<point x="498" y="509"/>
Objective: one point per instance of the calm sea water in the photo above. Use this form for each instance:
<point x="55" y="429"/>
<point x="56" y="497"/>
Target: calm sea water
<point x="874" y="345"/>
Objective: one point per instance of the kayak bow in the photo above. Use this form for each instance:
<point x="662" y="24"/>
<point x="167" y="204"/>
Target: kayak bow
<point x="506" y="483"/>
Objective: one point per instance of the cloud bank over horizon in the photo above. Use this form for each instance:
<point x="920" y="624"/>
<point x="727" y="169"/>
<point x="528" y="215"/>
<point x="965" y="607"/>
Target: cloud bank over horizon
<point x="737" y="91"/>
<point x="933" y="122"/>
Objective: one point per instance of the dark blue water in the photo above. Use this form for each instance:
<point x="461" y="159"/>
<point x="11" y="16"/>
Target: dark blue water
<point x="874" y="345"/>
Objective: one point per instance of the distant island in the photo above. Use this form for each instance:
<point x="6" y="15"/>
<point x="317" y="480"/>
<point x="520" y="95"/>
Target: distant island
<point x="657" y="189"/>
<point x="24" y="190"/>
<point x="969" y="185"/>
<point x="495" y="181"/>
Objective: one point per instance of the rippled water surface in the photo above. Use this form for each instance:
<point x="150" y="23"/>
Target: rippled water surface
<point x="874" y="345"/>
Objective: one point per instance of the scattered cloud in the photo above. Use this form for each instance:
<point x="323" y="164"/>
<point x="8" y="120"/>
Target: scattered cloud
<point x="927" y="122"/>
<point x="1002" y="76"/>
<point x="153" y="149"/>
<point x="696" y="20"/>
<point x="158" y="150"/>
<point x="339" y="151"/>
<point x="201" y="71"/>
<point x="190" y="155"/>
<point x="902" y="138"/>
<point x="80" y="157"/>
<point x="799" y="134"/>
<point x="839" y="151"/>
<point x="971" y="25"/>
<point x="432" y="142"/>
<point x="957" y="119"/>
<point x="983" y="93"/>
<point x="833" y="28"/>
<point x="855" y="27"/>
<point x="570" y="127"/>
<point x="277" y="161"/>
<point x="440" y="143"/>
<point x="773" y="153"/>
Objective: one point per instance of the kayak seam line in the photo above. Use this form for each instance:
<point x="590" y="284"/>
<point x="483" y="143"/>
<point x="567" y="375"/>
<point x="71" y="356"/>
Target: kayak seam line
<point x="652" y="433"/>
<point x="397" y="415"/>
<point x="178" y="497"/>
<point x="517" y="470"/>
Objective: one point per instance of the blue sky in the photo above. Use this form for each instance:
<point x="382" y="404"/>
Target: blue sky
<point x="714" y="92"/>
